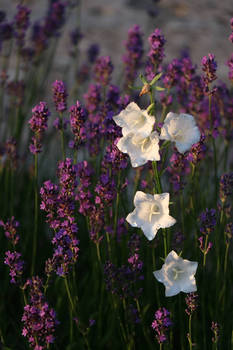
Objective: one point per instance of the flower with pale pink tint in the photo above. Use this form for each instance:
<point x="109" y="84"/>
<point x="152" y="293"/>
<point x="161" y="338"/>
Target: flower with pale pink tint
<point x="139" y="148"/>
<point x="135" y="120"/>
<point x="177" y="275"/>
<point x="181" y="129"/>
<point x="151" y="213"/>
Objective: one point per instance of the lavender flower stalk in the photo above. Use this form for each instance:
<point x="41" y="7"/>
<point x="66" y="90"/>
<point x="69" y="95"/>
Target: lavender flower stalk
<point x="59" y="98"/>
<point x="38" y="124"/>
<point x="161" y="325"/>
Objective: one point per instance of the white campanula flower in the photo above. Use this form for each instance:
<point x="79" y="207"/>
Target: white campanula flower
<point x="139" y="148"/>
<point x="134" y="120"/>
<point x="151" y="213"/>
<point x="181" y="129"/>
<point x="177" y="275"/>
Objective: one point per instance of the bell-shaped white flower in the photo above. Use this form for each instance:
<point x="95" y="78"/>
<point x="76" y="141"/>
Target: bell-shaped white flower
<point x="133" y="119"/>
<point x="177" y="275"/>
<point x="182" y="129"/>
<point x="139" y="148"/>
<point x="151" y="213"/>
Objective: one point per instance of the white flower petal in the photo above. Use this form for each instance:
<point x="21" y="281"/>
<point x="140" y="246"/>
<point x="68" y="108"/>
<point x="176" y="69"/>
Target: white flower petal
<point x="133" y="119"/>
<point x="139" y="148"/>
<point x="149" y="213"/>
<point x="177" y="275"/>
<point x="182" y="129"/>
<point x="172" y="290"/>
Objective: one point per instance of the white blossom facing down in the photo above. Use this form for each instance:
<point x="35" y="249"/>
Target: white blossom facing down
<point x="139" y="148"/>
<point x="151" y="213"/>
<point x="177" y="275"/>
<point x="133" y="119"/>
<point x="182" y="129"/>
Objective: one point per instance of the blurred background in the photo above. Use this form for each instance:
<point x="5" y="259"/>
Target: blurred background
<point x="202" y="26"/>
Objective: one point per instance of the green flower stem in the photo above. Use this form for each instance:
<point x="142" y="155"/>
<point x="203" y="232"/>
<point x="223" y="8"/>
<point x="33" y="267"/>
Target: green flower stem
<point x="119" y="319"/>
<point x="226" y="259"/>
<point x="157" y="179"/>
<point x="72" y="311"/>
<point x="109" y="245"/>
<point x="215" y="153"/>
<point x="75" y="156"/>
<point x="117" y="202"/>
<point x="205" y="248"/>
<point x="34" y="248"/>
<point x="160" y="346"/>
<point x="165" y="242"/>
<point x="62" y="137"/>
<point x="190" y="332"/>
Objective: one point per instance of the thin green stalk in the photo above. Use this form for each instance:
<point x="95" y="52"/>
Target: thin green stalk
<point x="157" y="179"/>
<point x="72" y="311"/>
<point x="117" y="202"/>
<point x="215" y="153"/>
<point x="109" y="246"/>
<point x="205" y="248"/>
<point x="34" y="249"/>
<point x="160" y="346"/>
<point x="190" y="332"/>
<point x="62" y="137"/>
<point x="69" y="294"/>
<point x="165" y="242"/>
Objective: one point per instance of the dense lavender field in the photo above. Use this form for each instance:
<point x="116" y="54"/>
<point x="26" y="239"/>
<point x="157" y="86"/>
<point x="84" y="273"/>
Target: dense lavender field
<point x="116" y="191"/>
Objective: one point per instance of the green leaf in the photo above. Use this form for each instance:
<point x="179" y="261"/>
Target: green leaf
<point x="151" y="108"/>
<point x="159" y="88"/>
<point x="156" y="78"/>
<point x="143" y="79"/>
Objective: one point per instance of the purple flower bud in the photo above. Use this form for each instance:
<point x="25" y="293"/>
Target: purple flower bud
<point x="192" y="302"/>
<point x="103" y="70"/>
<point x="161" y="324"/>
<point x="93" y="52"/>
<point x="38" y="124"/>
<point x="133" y="58"/>
<point x="156" y="53"/>
<point x="226" y="186"/>
<point x="10" y="228"/>
<point x="59" y="96"/>
<point x="208" y="221"/>
<point x="15" y="263"/>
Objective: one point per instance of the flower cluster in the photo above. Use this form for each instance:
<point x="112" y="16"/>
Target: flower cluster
<point x="207" y="221"/>
<point x="156" y="53"/>
<point x="10" y="227"/>
<point x="132" y="59"/>
<point x="161" y="324"/>
<point x="209" y="67"/>
<point x="13" y="258"/>
<point x="226" y="187"/>
<point x="38" y="124"/>
<point x="58" y="202"/>
<point x="191" y="302"/>
<point x="59" y="96"/>
<point x="21" y="22"/>
<point x="102" y="70"/>
<point x="38" y="318"/>
<point x="15" y="263"/>
<point x="77" y="120"/>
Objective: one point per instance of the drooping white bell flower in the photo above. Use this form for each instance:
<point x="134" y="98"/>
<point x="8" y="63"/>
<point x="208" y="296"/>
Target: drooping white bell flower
<point x="151" y="213"/>
<point x="135" y="120"/>
<point x="181" y="129"/>
<point x="139" y="148"/>
<point x="177" y="275"/>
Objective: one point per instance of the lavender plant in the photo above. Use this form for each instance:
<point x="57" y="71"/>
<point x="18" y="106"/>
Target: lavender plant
<point x="134" y="180"/>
